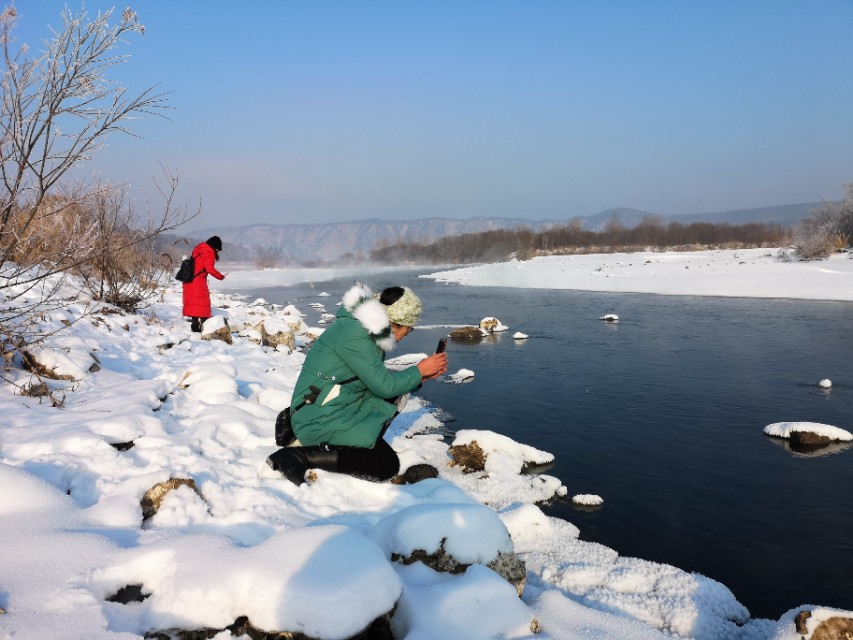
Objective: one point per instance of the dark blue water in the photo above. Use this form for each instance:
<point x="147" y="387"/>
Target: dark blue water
<point x="662" y="416"/>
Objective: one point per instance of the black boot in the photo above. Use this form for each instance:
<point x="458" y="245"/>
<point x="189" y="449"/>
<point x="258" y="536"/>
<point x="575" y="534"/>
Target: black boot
<point x="284" y="436"/>
<point x="196" y="325"/>
<point x="293" y="462"/>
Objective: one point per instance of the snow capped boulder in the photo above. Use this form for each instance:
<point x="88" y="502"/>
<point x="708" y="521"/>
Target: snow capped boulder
<point x="275" y="332"/>
<point x="64" y="363"/>
<point x="478" y="450"/>
<point x="251" y="334"/>
<point x="449" y="538"/>
<point x="154" y="497"/>
<point x="216" y="328"/>
<point x="609" y="317"/>
<point x="817" y="623"/>
<point x="291" y="310"/>
<point x="295" y="322"/>
<point x="492" y="325"/>
<point x="806" y="436"/>
<point x="291" y="585"/>
<point x="463" y="375"/>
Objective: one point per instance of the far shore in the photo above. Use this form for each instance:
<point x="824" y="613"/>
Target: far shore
<point x="747" y="273"/>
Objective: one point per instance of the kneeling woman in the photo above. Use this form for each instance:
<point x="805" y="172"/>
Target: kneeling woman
<point x="344" y="399"/>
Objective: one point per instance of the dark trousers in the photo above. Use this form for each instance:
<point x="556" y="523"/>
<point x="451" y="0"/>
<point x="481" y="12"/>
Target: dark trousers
<point x="379" y="463"/>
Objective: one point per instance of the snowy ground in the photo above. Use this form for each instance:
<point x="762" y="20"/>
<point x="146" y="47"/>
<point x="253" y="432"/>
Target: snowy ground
<point x="246" y="542"/>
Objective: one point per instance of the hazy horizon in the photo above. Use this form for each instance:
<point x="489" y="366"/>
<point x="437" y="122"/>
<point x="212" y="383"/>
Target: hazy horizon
<point x="324" y="112"/>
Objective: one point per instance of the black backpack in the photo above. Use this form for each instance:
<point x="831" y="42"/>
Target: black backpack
<point x="187" y="271"/>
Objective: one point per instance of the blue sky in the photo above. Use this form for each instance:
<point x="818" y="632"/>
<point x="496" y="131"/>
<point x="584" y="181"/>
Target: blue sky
<point x="319" y="111"/>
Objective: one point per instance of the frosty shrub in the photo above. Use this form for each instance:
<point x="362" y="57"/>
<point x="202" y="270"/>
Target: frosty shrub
<point x="828" y="229"/>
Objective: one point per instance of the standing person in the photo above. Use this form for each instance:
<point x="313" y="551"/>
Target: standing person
<point x="196" y="294"/>
<point x="345" y="397"/>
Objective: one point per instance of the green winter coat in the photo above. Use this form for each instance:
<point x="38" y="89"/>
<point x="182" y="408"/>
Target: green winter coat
<point x="350" y="414"/>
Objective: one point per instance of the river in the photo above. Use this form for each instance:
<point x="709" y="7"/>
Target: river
<point x="661" y="414"/>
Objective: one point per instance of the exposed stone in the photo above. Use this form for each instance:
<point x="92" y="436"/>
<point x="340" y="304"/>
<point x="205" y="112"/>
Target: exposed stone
<point x="470" y="457"/>
<point x="379" y="629"/>
<point x="163" y="348"/>
<point x="511" y="568"/>
<point x="507" y="565"/>
<point x="153" y="498"/>
<point x="808" y="439"/>
<point x="129" y="593"/>
<point x="466" y="333"/>
<point x="416" y="473"/>
<point x="800" y="621"/>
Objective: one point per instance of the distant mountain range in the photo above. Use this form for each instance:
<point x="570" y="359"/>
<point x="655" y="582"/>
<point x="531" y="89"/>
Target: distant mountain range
<point x="307" y="242"/>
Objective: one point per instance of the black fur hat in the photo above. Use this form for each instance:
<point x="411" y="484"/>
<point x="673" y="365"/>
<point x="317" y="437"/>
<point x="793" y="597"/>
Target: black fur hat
<point x="215" y="243"/>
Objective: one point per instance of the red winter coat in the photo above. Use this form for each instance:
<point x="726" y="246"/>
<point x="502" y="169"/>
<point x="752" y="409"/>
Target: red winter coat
<point x="196" y="293"/>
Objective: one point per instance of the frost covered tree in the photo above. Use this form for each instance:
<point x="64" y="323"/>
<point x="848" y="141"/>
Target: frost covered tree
<point x="57" y="108"/>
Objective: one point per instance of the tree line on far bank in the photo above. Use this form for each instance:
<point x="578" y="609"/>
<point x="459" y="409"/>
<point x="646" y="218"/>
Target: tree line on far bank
<point x="650" y="234"/>
<point x="827" y="230"/>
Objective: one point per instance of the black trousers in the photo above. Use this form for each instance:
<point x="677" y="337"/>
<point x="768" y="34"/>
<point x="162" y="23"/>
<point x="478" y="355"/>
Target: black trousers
<point x="379" y="463"/>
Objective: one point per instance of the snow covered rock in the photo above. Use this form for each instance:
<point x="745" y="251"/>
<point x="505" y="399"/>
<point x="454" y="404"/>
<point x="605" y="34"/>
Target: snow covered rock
<point x="477" y="450"/>
<point x="154" y="497"/>
<point x="290" y="584"/>
<point x="291" y="310"/>
<point x="492" y="325"/>
<point x="815" y="623"/>
<point x="295" y="322"/>
<point x="68" y="363"/>
<point x="466" y="333"/>
<point x="275" y="332"/>
<point x="216" y="328"/>
<point x="449" y="538"/>
<point x="808" y="435"/>
<point x="463" y="375"/>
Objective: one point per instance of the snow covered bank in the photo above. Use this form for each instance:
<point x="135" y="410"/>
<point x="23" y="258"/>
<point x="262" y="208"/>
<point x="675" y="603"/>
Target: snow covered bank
<point x="751" y="273"/>
<point x="239" y="540"/>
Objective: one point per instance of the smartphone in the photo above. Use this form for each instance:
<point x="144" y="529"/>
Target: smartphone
<point x="441" y="345"/>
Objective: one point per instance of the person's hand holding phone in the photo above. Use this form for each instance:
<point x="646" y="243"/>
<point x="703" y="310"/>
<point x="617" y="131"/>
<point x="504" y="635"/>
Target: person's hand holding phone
<point x="436" y="364"/>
